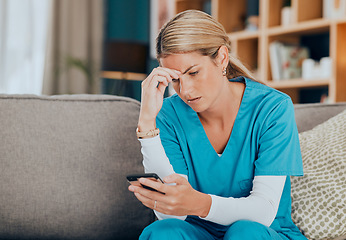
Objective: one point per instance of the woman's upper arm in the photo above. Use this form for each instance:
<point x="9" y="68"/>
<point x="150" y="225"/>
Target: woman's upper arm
<point x="171" y="144"/>
<point x="278" y="144"/>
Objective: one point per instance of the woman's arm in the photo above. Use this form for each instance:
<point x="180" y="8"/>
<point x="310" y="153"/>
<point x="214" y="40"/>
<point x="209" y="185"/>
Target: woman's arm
<point x="154" y="157"/>
<point x="156" y="161"/>
<point x="153" y="88"/>
<point x="260" y="206"/>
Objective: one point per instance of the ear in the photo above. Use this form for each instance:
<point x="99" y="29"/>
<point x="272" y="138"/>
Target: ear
<point x="223" y="57"/>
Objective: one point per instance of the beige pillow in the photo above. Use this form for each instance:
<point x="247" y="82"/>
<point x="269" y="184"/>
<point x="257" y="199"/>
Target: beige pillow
<point x="319" y="197"/>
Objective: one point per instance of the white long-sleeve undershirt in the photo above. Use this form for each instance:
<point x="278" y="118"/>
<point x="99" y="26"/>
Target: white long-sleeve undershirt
<point x="260" y="206"/>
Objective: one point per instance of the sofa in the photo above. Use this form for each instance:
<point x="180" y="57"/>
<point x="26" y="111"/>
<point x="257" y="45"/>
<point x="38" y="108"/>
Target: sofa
<point x="64" y="161"/>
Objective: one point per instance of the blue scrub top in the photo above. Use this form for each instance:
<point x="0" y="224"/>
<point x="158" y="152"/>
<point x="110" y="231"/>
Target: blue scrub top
<point x="264" y="141"/>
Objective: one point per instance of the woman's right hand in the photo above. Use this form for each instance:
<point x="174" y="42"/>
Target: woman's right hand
<point x="153" y="88"/>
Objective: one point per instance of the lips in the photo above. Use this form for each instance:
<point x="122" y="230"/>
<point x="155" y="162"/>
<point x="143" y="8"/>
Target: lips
<point x="192" y="100"/>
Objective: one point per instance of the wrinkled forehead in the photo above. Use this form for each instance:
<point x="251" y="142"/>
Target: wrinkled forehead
<point x="183" y="61"/>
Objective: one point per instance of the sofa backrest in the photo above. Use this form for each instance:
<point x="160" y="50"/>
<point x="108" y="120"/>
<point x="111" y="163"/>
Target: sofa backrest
<point x="310" y="115"/>
<point x="63" y="162"/>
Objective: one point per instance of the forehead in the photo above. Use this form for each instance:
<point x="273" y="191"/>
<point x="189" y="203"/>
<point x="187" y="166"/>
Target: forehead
<point x="183" y="61"/>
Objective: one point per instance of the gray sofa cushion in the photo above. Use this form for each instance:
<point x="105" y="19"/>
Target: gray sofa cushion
<point x="310" y="115"/>
<point x="63" y="162"/>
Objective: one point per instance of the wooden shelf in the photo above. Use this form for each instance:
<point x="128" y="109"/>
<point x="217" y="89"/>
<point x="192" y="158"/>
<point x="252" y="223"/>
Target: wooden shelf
<point x="337" y="21"/>
<point x="123" y="75"/>
<point x="298" y="83"/>
<point x="243" y="35"/>
<point x="252" y="48"/>
<point x="307" y="27"/>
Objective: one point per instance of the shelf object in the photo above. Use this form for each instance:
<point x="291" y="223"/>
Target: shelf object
<point x="307" y="27"/>
<point x="124" y="60"/>
<point x="298" y="83"/>
<point x="123" y="75"/>
<point x="252" y="48"/>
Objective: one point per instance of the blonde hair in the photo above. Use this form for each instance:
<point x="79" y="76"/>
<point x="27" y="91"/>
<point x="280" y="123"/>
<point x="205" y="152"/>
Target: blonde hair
<point x="196" y="31"/>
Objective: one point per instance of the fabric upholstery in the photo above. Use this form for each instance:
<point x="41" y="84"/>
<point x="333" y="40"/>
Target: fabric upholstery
<point x="63" y="167"/>
<point x="63" y="162"/>
<point x="319" y="197"/>
<point x="310" y="115"/>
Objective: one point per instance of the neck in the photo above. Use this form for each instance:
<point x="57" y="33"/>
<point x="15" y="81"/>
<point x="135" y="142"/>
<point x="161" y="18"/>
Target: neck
<point x="225" y="107"/>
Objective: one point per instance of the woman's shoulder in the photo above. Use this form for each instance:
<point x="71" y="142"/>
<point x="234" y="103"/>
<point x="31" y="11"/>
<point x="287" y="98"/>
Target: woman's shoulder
<point x="263" y="92"/>
<point x="266" y="102"/>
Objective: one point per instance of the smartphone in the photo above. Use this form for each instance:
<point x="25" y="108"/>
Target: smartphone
<point x="133" y="179"/>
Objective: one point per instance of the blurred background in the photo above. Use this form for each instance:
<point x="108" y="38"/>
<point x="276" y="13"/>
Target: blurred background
<point x="50" y="47"/>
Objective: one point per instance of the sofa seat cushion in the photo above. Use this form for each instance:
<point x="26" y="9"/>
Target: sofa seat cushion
<point x="319" y="197"/>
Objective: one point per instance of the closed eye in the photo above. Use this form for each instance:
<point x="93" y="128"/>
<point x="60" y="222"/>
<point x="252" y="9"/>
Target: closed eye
<point x="175" y="80"/>
<point x="193" y="73"/>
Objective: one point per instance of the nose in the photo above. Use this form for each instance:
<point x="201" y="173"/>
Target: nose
<point x="185" y="86"/>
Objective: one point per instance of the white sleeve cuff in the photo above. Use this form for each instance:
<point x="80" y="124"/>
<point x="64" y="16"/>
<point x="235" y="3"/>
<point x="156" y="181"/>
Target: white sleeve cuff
<point x="162" y="216"/>
<point x="150" y="141"/>
<point x="214" y="212"/>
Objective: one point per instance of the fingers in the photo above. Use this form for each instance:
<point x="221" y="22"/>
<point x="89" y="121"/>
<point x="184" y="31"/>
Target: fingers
<point x="154" y="202"/>
<point x="146" y="201"/>
<point x="158" y="79"/>
<point x="145" y="195"/>
<point x="159" y="186"/>
<point x="175" y="178"/>
<point x="174" y="201"/>
<point x="171" y="73"/>
<point x="162" y="88"/>
<point x="166" y="73"/>
<point x="150" y="203"/>
<point x="153" y="89"/>
<point x="158" y="82"/>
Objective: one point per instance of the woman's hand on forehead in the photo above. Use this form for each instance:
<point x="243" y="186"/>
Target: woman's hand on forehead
<point x="153" y="89"/>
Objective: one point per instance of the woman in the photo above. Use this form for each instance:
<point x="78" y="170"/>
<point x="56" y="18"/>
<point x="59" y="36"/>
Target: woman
<point x="225" y="144"/>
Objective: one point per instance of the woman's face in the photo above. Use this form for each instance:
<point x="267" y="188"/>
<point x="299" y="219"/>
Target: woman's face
<point x="201" y="80"/>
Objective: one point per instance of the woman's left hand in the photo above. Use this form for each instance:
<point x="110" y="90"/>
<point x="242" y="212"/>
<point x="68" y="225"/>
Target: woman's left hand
<point x="178" y="200"/>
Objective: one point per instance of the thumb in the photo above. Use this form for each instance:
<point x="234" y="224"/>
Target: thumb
<point x="175" y="178"/>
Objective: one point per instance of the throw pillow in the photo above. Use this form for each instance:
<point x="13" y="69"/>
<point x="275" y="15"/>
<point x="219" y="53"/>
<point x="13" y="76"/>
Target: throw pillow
<point x="319" y="197"/>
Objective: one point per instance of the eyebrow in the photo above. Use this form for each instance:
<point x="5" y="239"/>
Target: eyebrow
<point x="189" y="68"/>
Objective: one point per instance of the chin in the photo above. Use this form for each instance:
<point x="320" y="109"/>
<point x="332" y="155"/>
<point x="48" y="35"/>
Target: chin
<point x="198" y="109"/>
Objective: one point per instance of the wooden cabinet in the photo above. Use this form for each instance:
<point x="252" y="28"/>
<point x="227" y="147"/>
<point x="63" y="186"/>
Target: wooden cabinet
<point x="252" y="47"/>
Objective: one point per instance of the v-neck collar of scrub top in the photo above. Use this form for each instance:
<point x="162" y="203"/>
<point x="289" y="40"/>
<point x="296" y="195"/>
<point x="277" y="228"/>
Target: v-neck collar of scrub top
<point x="200" y="133"/>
